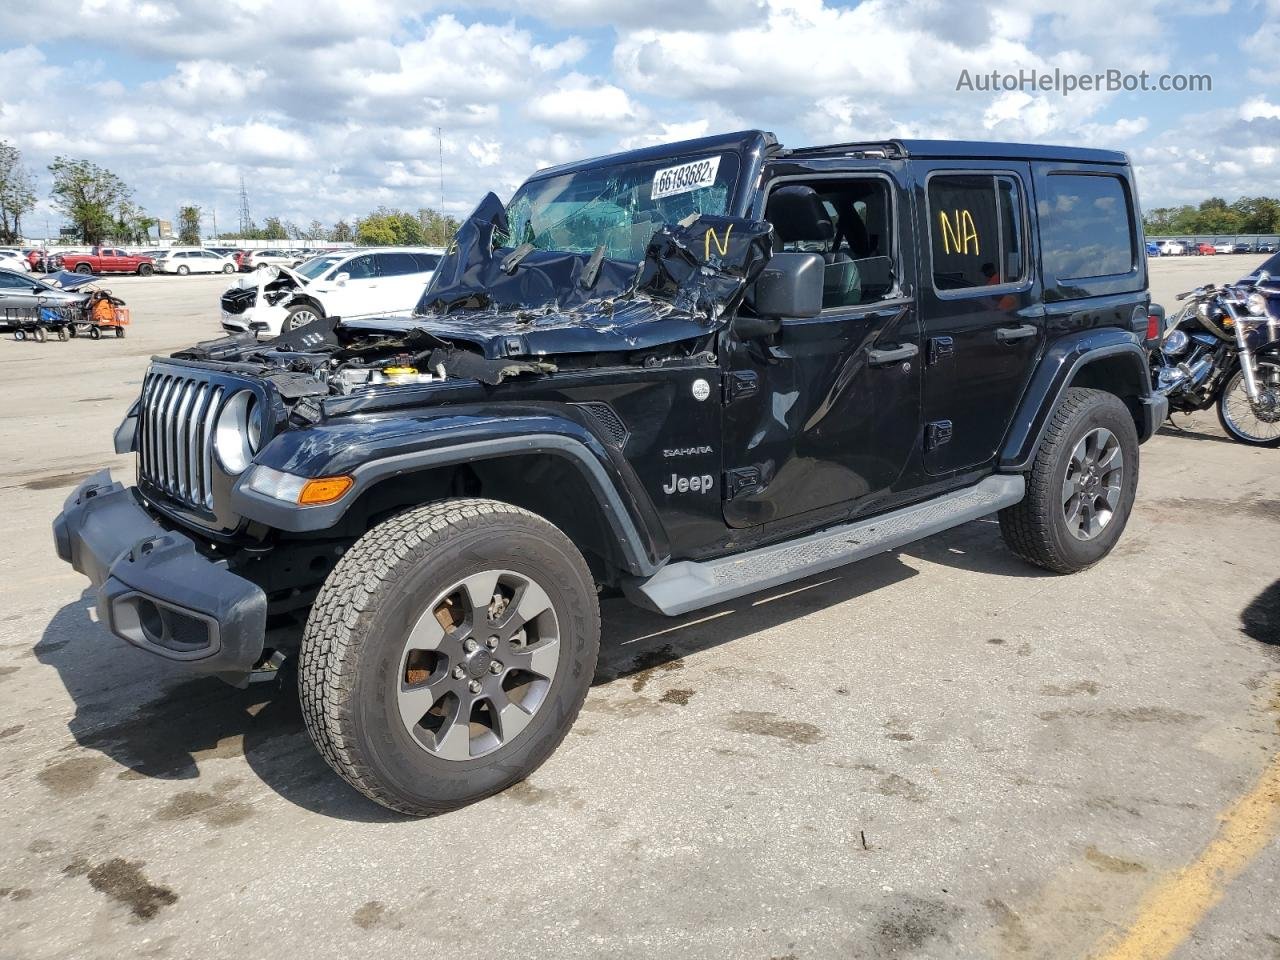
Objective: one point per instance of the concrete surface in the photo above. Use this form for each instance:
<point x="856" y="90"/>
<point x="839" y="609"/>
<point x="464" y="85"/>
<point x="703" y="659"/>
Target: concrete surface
<point x="937" y="753"/>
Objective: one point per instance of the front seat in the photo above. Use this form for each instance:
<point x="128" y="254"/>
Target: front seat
<point x="798" y="216"/>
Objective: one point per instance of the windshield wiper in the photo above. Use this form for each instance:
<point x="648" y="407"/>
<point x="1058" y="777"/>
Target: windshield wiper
<point x="512" y="259"/>
<point x="591" y="272"/>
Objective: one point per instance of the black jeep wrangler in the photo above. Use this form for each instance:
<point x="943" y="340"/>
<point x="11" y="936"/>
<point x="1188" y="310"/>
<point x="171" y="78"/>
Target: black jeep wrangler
<point x="685" y="373"/>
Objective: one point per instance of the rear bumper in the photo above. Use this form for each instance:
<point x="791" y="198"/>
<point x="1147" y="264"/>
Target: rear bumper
<point x="154" y="589"/>
<point x="1155" y="410"/>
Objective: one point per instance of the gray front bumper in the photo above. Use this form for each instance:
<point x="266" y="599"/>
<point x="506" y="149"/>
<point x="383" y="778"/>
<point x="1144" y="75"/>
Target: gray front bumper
<point x="154" y="589"/>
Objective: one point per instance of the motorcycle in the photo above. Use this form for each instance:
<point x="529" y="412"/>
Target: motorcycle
<point x="1222" y="349"/>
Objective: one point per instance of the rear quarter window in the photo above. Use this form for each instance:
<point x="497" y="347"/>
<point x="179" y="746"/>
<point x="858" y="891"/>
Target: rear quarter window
<point x="1086" y="227"/>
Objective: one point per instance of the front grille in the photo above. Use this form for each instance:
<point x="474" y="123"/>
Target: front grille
<point x="175" y="435"/>
<point x="238" y="301"/>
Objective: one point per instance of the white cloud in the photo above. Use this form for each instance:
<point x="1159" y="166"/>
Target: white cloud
<point x="585" y="104"/>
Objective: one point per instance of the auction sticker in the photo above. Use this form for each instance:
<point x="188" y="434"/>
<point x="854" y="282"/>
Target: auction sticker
<point x="685" y="178"/>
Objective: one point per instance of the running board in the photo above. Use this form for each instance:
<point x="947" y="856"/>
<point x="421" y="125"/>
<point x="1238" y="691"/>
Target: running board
<point x="689" y="585"/>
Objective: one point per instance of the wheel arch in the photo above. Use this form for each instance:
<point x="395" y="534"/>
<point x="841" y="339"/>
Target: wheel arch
<point x="1113" y="361"/>
<point x="555" y="476"/>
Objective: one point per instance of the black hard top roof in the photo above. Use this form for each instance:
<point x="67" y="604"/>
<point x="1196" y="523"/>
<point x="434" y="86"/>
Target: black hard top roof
<point x="925" y="149"/>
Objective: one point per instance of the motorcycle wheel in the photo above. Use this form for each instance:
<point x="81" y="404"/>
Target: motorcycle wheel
<point x="1257" y="424"/>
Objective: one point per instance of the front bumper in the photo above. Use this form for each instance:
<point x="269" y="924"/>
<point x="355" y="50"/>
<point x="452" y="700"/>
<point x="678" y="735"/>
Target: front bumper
<point x="154" y="589"/>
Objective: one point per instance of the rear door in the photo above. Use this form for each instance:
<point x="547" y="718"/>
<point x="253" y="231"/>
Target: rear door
<point x="401" y="281"/>
<point x="980" y="298"/>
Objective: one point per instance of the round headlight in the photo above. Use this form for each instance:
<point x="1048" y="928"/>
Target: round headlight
<point x="1175" y="344"/>
<point x="238" y="432"/>
<point x="1256" y="304"/>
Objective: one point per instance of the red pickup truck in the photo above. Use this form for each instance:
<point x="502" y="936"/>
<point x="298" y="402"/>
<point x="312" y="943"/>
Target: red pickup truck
<point x="102" y="260"/>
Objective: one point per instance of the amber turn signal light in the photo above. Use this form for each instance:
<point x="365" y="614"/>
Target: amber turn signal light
<point x="324" y="490"/>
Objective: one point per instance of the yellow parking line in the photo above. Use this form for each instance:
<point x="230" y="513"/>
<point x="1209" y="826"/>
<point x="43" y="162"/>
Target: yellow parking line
<point x="1171" y="911"/>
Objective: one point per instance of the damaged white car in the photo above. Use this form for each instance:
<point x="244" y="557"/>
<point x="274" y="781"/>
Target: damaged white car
<point x="351" y="283"/>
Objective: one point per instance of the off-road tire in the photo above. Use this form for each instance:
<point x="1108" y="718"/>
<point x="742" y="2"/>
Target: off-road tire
<point x="352" y="646"/>
<point x="1036" y="528"/>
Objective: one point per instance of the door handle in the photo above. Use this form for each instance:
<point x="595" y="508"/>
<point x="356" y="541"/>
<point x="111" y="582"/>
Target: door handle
<point x="1009" y="334"/>
<point x="878" y="358"/>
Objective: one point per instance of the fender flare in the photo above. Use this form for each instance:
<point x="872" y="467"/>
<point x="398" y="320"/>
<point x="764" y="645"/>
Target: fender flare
<point x="639" y="554"/>
<point x="1055" y="374"/>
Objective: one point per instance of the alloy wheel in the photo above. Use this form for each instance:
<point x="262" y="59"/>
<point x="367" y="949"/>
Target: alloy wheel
<point x="478" y="664"/>
<point x="1095" y="478"/>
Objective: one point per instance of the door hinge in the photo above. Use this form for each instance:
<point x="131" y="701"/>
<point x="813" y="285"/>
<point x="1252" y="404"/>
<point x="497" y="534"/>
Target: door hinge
<point x="740" y="383"/>
<point x="936" y="434"/>
<point x="741" y="480"/>
<point x="941" y="348"/>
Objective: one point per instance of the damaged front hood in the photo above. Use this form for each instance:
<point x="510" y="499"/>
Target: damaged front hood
<point x="528" y="302"/>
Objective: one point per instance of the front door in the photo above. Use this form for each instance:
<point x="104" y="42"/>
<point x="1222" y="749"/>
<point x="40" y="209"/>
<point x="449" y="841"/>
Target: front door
<point x="980" y="299"/>
<point x="822" y="418"/>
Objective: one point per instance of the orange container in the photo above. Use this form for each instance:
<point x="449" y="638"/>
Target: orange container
<point x="122" y="316"/>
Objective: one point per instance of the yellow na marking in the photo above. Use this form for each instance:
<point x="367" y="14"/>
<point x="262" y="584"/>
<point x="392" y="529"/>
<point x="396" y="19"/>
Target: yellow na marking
<point x="959" y="233"/>
<point x="1171" y="911"/>
<point x="711" y="237"/>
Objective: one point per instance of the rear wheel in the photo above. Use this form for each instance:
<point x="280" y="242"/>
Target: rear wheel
<point x="83" y="268"/>
<point x="62" y="334"/>
<point x="1255" y="423"/>
<point x="95" y="333"/>
<point x="183" y="270"/>
<point x="1081" y="486"/>
<point x="19" y="334"/>
<point x="40" y="335"/>
<point x="448" y="653"/>
<point x="119" y="333"/>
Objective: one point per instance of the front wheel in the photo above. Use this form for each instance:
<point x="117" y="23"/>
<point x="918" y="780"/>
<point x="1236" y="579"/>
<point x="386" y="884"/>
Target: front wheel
<point x="299" y="316"/>
<point x="1255" y="423"/>
<point x="1081" y="485"/>
<point x="228" y="268"/>
<point x="95" y="333"/>
<point x="144" y="269"/>
<point x="448" y="653"/>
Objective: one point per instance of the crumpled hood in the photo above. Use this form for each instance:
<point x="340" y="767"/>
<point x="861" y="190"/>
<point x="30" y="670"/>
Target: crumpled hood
<point x="528" y="302"/>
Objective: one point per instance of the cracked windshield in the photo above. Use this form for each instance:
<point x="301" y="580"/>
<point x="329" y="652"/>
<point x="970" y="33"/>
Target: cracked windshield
<point x="619" y="207"/>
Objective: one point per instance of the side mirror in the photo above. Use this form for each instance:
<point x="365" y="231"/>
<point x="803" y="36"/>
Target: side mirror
<point x="342" y="278"/>
<point x="37" y="289"/>
<point x="790" y="285"/>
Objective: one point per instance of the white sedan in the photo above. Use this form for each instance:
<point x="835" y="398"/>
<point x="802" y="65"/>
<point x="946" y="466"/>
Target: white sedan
<point x="1172" y="248"/>
<point x="183" y="262"/>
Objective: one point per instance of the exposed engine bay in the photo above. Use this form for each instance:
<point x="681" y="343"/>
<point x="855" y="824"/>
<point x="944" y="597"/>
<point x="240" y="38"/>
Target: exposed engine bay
<point x="492" y="312"/>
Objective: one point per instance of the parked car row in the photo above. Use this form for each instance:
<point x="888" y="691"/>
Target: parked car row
<point x="1206" y="247"/>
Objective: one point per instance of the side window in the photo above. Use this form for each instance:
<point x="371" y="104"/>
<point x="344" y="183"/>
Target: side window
<point x="9" y="281"/>
<point x="426" y="261"/>
<point x="850" y="223"/>
<point x="361" y="268"/>
<point x="977" y="231"/>
<point x="1085" y="227"/>
<point x="396" y="264"/>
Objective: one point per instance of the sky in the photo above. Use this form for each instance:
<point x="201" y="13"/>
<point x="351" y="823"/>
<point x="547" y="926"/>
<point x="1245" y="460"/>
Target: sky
<point x="330" y="108"/>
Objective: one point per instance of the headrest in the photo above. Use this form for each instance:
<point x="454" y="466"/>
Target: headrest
<point x="797" y="214"/>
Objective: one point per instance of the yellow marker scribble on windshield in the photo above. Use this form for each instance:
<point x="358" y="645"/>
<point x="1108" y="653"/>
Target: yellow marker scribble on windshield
<point x="959" y="233"/>
<point x="721" y="248"/>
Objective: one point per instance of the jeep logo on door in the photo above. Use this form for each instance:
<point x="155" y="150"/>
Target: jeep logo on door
<point x="679" y="484"/>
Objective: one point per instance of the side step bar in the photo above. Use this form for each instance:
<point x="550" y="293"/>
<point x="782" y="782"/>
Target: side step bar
<point x="688" y="585"/>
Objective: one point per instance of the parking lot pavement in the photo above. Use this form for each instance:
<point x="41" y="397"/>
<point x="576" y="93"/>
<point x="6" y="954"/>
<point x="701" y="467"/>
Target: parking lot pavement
<point x="940" y="752"/>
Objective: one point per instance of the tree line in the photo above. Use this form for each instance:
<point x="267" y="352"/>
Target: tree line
<point x="100" y="207"/>
<point x="1215" y="215"/>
